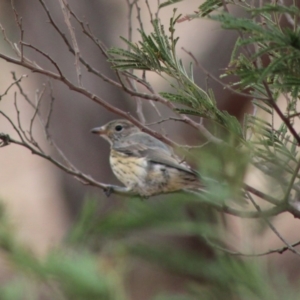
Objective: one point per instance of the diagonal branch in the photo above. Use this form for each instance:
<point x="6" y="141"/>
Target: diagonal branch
<point x="280" y="114"/>
<point x="66" y="13"/>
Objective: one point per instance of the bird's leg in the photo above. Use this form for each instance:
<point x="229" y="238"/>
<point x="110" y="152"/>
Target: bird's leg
<point x="4" y="139"/>
<point x="109" y="189"/>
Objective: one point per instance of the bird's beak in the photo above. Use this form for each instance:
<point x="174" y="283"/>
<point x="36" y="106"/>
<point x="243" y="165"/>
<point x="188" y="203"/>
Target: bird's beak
<point x="99" y="130"/>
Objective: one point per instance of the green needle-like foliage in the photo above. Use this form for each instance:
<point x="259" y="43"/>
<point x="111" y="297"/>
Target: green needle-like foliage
<point x="156" y="52"/>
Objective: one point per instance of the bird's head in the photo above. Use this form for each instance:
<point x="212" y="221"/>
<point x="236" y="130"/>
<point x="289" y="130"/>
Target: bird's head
<point x="115" y="130"/>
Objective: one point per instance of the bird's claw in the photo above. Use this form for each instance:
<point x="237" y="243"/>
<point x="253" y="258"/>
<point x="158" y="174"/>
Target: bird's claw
<point x="108" y="190"/>
<point x="4" y="139"/>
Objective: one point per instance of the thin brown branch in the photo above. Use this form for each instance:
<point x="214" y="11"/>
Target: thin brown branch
<point x="238" y="253"/>
<point x="15" y="82"/>
<point x="5" y="137"/>
<point x="129" y="17"/>
<point x="261" y="195"/>
<point x="226" y="86"/>
<point x="139" y="18"/>
<point x="8" y="41"/>
<point x="289" y="18"/>
<point x="77" y="174"/>
<point x="285" y="120"/>
<point x="38" y="100"/>
<point x="294" y="210"/>
<point x="20" y="128"/>
<point x="149" y="11"/>
<point x="66" y="13"/>
<point x="81" y="59"/>
<point x="70" y="48"/>
<point x="47" y="124"/>
<point x="157" y="12"/>
<point x="47" y="56"/>
<point x="139" y="103"/>
<point x="22" y="91"/>
<point x="272" y="227"/>
<point x="139" y="110"/>
<point x="225" y="6"/>
<point x="250" y="214"/>
<point x="144" y="83"/>
<point x="293" y="115"/>
<point x="20" y="26"/>
<point x="31" y="138"/>
<point x="88" y="32"/>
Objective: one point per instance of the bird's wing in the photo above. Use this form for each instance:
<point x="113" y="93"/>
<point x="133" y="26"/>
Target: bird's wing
<point x="132" y="149"/>
<point x="156" y="155"/>
<point x="146" y="140"/>
<point x="163" y="157"/>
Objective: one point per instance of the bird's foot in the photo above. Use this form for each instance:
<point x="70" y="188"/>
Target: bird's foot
<point x="109" y="189"/>
<point x="4" y="139"/>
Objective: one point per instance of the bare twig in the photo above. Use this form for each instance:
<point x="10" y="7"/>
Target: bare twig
<point x="139" y="110"/>
<point x="20" y="26"/>
<point x="47" y="56"/>
<point x="261" y="195"/>
<point x="5" y="137"/>
<point x="88" y="32"/>
<point x="291" y="183"/>
<point x="6" y="140"/>
<point x="20" y="128"/>
<point x="130" y="9"/>
<point x="238" y="253"/>
<point x="157" y="12"/>
<point x="138" y="9"/>
<point x="149" y="11"/>
<point x="70" y="48"/>
<point x="288" y="245"/>
<point x="225" y="6"/>
<point x="280" y="114"/>
<point x="15" y="82"/>
<point x="50" y="108"/>
<point x="139" y="103"/>
<point x="38" y="100"/>
<point x="8" y="41"/>
<point x="290" y="20"/>
<point x="66" y="12"/>
<point x="250" y="214"/>
<point x="21" y="90"/>
<point x="226" y="86"/>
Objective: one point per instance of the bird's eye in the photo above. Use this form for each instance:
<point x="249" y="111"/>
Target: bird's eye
<point x="118" y="128"/>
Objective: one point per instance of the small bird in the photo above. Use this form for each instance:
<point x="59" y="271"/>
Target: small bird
<point x="144" y="164"/>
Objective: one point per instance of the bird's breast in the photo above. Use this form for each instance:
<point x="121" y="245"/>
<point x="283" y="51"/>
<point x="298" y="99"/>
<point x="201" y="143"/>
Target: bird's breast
<point x="130" y="170"/>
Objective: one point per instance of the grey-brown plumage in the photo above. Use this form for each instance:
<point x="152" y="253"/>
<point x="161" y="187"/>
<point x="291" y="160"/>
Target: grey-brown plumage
<point x="144" y="164"/>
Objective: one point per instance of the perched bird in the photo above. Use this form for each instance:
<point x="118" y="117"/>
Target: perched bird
<point x="144" y="164"/>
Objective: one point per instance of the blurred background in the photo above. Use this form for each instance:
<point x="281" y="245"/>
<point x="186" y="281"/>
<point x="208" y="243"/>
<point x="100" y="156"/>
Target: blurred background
<point x="43" y="201"/>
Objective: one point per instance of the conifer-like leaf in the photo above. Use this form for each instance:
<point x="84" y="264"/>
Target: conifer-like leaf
<point x="167" y="3"/>
<point x="208" y="6"/>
